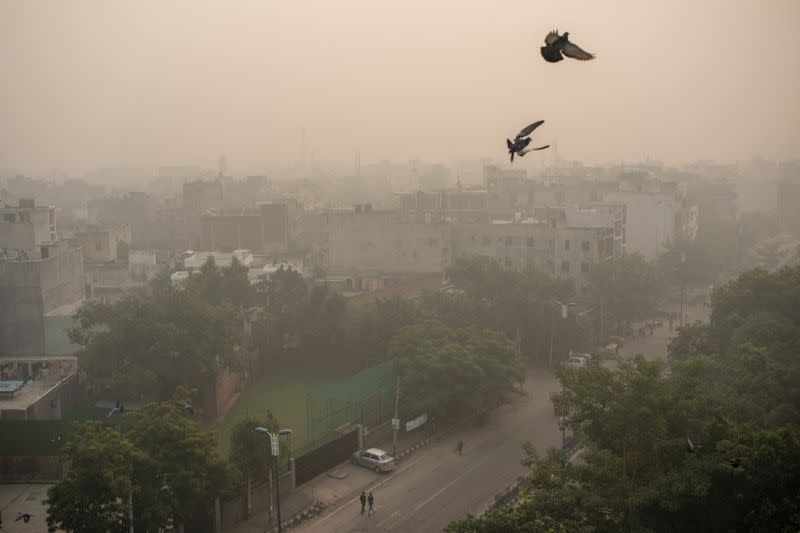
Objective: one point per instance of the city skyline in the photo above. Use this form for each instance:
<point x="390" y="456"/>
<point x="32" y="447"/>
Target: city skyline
<point x="95" y="84"/>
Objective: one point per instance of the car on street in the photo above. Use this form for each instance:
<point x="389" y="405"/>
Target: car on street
<point x="374" y="458"/>
<point x="575" y="362"/>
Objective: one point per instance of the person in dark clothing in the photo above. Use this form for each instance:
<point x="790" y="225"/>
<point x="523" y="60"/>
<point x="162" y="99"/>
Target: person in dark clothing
<point x="371" y="501"/>
<point x="363" y="499"/>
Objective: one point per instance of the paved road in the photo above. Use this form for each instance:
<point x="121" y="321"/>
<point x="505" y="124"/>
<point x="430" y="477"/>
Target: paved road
<point x="26" y="498"/>
<point x="655" y="346"/>
<point x="436" y="485"/>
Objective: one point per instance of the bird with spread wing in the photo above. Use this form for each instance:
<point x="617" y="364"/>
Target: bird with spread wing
<point x="520" y="143"/>
<point x="556" y="45"/>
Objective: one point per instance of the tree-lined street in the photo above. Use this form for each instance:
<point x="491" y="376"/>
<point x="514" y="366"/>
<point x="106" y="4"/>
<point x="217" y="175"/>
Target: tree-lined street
<point x="436" y="485"/>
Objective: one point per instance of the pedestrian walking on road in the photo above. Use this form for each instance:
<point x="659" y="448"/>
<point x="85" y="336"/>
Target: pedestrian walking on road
<point x="363" y="499"/>
<point x="371" y="501"/>
<point x="460" y="447"/>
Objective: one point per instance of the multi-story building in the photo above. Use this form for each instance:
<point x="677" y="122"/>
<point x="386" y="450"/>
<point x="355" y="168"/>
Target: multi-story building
<point x="201" y="195"/>
<point x="104" y="243"/>
<point x="264" y="229"/>
<point x="39" y="292"/>
<point x="654" y="211"/>
<point x="367" y="240"/>
<point x="789" y="199"/>
<point x="554" y="243"/>
<point x="136" y="209"/>
<point x="26" y="226"/>
<point x="453" y="205"/>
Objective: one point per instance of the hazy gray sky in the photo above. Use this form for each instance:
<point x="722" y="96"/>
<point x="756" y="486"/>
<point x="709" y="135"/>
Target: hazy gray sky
<point x="92" y="83"/>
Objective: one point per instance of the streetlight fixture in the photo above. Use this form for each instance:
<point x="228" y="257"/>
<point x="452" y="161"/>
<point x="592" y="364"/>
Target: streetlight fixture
<point x="564" y="314"/>
<point x="275" y="446"/>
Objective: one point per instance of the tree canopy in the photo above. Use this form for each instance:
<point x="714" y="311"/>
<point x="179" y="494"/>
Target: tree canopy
<point x="165" y="462"/>
<point x="518" y="303"/>
<point x="448" y="372"/>
<point x="730" y="387"/>
<point x="146" y="344"/>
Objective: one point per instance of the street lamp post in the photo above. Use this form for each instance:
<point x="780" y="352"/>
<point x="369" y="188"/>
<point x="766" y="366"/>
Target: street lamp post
<point x="683" y="282"/>
<point x="564" y="313"/>
<point x="275" y="445"/>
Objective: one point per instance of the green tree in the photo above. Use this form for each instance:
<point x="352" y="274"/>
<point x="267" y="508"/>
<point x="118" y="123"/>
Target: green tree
<point x="218" y="286"/>
<point x="520" y="304"/>
<point x="250" y="451"/>
<point x="147" y="344"/>
<point x="451" y="372"/>
<point x="100" y="476"/>
<point x="370" y="332"/>
<point x="184" y="472"/>
<point x="624" y="289"/>
<point x="300" y="323"/>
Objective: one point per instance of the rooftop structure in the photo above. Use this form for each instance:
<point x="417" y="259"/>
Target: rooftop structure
<point x="223" y="260"/>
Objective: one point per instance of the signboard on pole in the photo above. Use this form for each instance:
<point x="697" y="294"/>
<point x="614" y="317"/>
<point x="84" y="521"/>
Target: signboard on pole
<point x="417" y="422"/>
<point x="274" y="442"/>
<point x="395" y="423"/>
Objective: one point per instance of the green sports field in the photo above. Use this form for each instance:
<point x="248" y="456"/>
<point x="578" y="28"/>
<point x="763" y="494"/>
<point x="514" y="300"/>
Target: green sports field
<point x="284" y="396"/>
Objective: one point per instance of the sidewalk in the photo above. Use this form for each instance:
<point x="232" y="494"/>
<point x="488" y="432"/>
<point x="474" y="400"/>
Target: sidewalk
<point x="326" y="491"/>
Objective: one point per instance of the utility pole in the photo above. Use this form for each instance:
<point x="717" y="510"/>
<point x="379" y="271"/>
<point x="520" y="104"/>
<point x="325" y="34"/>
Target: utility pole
<point x="396" y="421"/>
<point x="552" y="334"/>
<point x="130" y="509"/>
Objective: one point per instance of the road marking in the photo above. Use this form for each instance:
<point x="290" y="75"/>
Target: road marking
<point x="449" y="484"/>
<point x="399" y="471"/>
<point x="388" y="518"/>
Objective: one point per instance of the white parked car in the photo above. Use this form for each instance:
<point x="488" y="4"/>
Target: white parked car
<point x="374" y="458"/>
<point x="575" y="362"/>
<point x="585" y="356"/>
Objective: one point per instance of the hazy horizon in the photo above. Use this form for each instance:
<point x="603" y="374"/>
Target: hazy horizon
<point x="147" y="84"/>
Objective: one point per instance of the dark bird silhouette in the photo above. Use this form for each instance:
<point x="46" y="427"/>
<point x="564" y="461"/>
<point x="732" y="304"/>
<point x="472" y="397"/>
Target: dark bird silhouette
<point x="692" y="447"/>
<point x="520" y="143"/>
<point x="556" y="44"/>
<point x="186" y="407"/>
<point x="118" y="409"/>
<point x="25" y="517"/>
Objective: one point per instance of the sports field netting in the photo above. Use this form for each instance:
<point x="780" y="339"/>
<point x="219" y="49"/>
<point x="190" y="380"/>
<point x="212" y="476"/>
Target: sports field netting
<point x="366" y="398"/>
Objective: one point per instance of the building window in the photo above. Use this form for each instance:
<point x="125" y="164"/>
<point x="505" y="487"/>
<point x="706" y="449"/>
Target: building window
<point x="98" y="245"/>
<point x="585" y="290"/>
<point x="586" y="246"/>
<point x="566" y="244"/>
<point x="507" y="261"/>
<point x="323" y="237"/>
<point x="565" y="267"/>
<point x="530" y="242"/>
<point x="487" y="241"/>
<point x="508" y="240"/>
<point x="584" y="267"/>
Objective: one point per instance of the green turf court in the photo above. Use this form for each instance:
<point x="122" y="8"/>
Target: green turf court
<point x="284" y="396"/>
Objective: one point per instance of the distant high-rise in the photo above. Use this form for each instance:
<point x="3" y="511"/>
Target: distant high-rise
<point x="222" y="166"/>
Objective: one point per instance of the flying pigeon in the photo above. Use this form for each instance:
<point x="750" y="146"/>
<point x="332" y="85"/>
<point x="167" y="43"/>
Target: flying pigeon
<point x="118" y="409"/>
<point x="186" y="407"/>
<point x="692" y="447"/>
<point x="25" y="517"/>
<point x="520" y="143"/>
<point x="556" y="44"/>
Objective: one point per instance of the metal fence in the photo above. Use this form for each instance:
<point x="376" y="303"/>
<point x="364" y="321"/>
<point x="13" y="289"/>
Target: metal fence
<point x="366" y="398"/>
